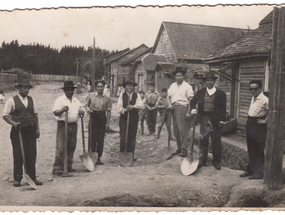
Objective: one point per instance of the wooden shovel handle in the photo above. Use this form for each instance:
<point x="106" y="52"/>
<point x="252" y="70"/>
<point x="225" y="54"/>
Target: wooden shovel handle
<point x="65" y="169"/>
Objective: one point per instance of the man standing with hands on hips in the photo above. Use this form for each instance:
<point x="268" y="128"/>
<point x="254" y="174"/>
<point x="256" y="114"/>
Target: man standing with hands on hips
<point x="179" y="95"/>
<point x="66" y="103"/>
<point x="256" y="130"/>
<point x="212" y="115"/>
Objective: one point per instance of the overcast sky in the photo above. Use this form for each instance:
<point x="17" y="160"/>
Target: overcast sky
<point x="116" y="28"/>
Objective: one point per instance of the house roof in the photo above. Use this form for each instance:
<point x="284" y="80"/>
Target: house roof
<point x="257" y="42"/>
<point x="142" y="46"/>
<point x="113" y="56"/>
<point x="150" y="61"/>
<point x="135" y="57"/>
<point x="195" y="42"/>
<point x="166" y="67"/>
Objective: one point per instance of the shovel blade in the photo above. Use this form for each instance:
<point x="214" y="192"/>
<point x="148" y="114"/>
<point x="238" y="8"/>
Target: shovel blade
<point x="87" y="162"/>
<point x="167" y="153"/>
<point x="126" y="158"/>
<point x="188" y="167"/>
<point x="30" y="181"/>
<point x="93" y="156"/>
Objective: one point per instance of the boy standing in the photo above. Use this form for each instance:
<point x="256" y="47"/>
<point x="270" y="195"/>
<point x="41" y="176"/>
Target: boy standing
<point x="150" y="101"/>
<point x="164" y="113"/>
<point x="142" y="113"/>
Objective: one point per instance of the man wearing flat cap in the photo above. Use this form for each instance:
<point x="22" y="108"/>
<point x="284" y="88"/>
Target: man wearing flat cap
<point x="179" y="95"/>
<point x="66" y="103"/>
<point x="21" y="112"/>
<point x="99" y="107"/>
<point x="129" y="102"/>
<point x="212" y="113"/>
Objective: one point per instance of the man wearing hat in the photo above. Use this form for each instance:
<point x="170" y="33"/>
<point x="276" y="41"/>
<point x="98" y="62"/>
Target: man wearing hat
<point x="129" y="102"/>
<point x="212" y="113"/>
<point x="97" y="105"/>
<point x="21" y="112"/>
<point x="179" y="96"/>
<point x="66" y="103"/>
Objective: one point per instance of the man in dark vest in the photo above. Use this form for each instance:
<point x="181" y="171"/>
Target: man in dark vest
<point x="212" y="113"/>
<point x="21" y="112"/>
<point x="131" y="102"/>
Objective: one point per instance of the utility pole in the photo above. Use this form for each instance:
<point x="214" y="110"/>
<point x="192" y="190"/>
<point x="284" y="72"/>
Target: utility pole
<point x="275" y="127"/>
<point x="94" y="69"/>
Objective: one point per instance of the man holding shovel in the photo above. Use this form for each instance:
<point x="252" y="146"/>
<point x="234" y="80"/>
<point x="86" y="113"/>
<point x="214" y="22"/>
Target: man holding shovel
<point x="21" y="112"/>
<point x="129" y="102"/>
<point x="66" y="104"/>
<point x="99" y="107"/>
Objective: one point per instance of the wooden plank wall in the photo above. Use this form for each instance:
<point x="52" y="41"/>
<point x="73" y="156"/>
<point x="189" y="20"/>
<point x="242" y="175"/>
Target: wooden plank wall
<point x="8" y="78"/>
<point x="249" y="69"/>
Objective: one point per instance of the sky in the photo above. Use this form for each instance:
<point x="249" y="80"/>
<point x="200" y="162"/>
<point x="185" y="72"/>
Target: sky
<point x="115" y="28"/>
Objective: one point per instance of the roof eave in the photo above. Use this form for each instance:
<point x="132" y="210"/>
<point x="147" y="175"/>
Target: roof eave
<point x="229" y="58"/>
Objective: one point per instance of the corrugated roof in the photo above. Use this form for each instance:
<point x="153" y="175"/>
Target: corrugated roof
<point x="257" y="42"/>
<point x="130" y="51"/>
<point x="115" y="55"/>
<point x="150" y="61"/>
<point x="137" y="56"/>
<point x="195" y="42"/>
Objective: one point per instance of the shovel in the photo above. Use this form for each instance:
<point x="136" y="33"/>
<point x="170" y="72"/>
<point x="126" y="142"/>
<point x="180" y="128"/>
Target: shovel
<point x="85" y="159"/>
<point x="25" y="174"/>
<point x="65" y="168"/>
<point x="190" y="164"/>
<point x="126" y="158"/>
<point x="92" y="155"/>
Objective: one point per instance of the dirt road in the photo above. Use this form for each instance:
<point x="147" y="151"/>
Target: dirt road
<point x="150" y="181"/>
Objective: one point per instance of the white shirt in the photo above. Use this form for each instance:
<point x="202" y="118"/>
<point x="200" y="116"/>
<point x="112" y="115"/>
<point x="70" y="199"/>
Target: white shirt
<point x="211" y="91"/>
<point x="74" y="106"/>
<point x="138" y="104"/>
<point x="181" y="93"/>
<point x="258" y="106"/>
<point x="10" y="105"/>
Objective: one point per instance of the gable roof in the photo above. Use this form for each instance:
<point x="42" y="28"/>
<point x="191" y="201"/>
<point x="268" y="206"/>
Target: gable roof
<point x="142" y="46"/>
<point x="195" y="42"/>
<point x="111" y="57"/>
<point x="257" y="42"/>
<point x="151" y="60"/>
<point x="135" y="57"/>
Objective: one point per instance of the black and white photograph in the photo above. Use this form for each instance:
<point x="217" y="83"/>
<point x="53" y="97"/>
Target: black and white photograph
<point x="142" y="108"/>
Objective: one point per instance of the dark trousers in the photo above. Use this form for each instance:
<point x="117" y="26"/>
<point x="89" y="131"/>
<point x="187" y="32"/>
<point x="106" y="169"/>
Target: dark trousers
<point x="151" y="119"/>
<point x="164" y="118"/>
<point x="210" y="128"/>
<point x="99" y="121"/>
<point x="30" y="148"/>
<point x="256" y="137"/>
<point x="71" y="144"/>
<point x="133" y="127"/>
<point x="180" y="126"/>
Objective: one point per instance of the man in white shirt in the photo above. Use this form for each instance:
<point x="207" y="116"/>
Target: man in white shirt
<point x="256" y="130"/>
<point x="129" y="102"/>
<point x="21" y="112"/>
<point x="66" y="103"/>
<point x="179" y="95"/>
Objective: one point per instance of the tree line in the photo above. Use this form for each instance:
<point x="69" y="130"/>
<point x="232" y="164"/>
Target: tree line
<point x="41" y="59"/>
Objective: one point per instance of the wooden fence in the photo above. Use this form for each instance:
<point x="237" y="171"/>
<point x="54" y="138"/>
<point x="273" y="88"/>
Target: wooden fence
<point x="10" y="78"/>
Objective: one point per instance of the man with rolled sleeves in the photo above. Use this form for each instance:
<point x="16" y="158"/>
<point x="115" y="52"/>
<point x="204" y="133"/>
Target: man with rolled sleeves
<point x="212" y="114"/>
<point x="256" y="131"/>
<point x="129" y="102"/>
<point x="99" y="107"/>
<point x="66" y="103"/>
<point x="179" y="95"/>
<point x="21" y="112"/>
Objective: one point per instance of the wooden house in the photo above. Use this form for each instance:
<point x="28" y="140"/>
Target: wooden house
<point x="187" y="44"/>
<point x="144" y="70"/>
<point x="240" y="62"/>
<point x="121" y="66"/>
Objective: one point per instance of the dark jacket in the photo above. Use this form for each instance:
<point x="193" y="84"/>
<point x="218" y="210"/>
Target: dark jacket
<point x="220" y="102"/>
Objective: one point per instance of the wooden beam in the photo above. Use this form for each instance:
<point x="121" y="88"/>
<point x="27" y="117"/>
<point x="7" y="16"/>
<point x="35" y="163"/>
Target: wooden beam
<point x="274" y="148"/>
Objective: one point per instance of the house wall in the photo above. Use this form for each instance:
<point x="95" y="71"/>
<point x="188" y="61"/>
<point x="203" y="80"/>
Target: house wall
<point x="140" y="72"/>
<point x="164" y="47"/>
<point x="163" y="80"/>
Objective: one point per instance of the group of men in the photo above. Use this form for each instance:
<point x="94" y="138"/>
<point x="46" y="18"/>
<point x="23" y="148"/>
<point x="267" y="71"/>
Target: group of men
<point x="179" y="101"/>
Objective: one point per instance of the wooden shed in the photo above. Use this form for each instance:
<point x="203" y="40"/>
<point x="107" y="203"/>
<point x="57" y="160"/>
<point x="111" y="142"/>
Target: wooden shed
<point x="237" y="64"/>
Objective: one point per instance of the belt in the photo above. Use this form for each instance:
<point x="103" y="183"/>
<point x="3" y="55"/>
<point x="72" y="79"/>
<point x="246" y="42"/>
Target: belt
<point x="101" y="111"/>
<point x="62" y="121"/>
<point x="177" y="104"/>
